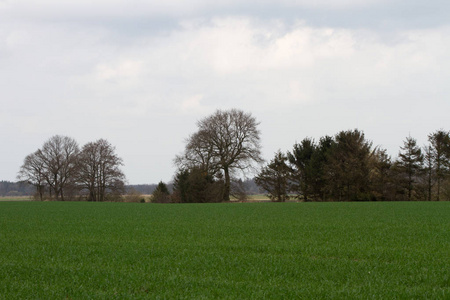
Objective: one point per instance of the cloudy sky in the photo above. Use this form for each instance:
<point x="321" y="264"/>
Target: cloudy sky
<point x="141" y="73"/>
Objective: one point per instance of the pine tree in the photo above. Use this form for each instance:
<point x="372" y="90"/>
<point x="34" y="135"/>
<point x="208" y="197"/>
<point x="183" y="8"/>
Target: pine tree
<point x="300" y="160"/>
<point x="274" y="178"/>
<point x="380" y="175"/>
<point x="440" y="150"/>
<point x="428" y="170"/>
<point x="319" y="160"/>
<point x="197" y="186"/>
<point x="161" y="193"/>
<point x="410" y="163"/>
<point x="348" y="169"/>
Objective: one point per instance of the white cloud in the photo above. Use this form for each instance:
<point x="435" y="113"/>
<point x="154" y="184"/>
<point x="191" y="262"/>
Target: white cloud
<point x="126" y="69"/>
<point x="193" y="104"/>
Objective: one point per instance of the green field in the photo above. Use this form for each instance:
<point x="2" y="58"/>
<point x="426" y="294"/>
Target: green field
<point x="75" y="250"/>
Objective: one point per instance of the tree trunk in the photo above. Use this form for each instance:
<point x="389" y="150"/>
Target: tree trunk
<point x="429" y="185"/>
<point x="226" y="193"/>
<point x="438" y="195"/>
<point x="409" y="186"/>
<point x="41" y="194"/>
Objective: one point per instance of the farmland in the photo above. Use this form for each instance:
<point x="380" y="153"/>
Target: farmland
<point x="21" y="198"/>
<point x="242" y="250"/>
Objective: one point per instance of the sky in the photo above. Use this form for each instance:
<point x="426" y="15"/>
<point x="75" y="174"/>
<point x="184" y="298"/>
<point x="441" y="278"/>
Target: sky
<point x="142" y="73"/>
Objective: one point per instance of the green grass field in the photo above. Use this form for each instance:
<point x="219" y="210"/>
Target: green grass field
<point x="56" y="250"/>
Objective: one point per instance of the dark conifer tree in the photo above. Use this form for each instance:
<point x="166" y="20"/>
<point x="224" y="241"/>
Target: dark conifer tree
<point x="319" y="160"/>
<point x="440" y="151"/>
<point x="381" y="176"/>
<point x="161" y="193"/>
<point x="300" y="160"/>
<point x="348" y="168"/>
<point x="428" y="170"/>
<point x="410" y="164"/>
<point x="196" y="185"/>
<point x="275" y="178"/>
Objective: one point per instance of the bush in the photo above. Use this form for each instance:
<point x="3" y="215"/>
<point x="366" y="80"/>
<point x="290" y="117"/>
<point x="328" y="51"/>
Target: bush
<point x="134" y="196"/>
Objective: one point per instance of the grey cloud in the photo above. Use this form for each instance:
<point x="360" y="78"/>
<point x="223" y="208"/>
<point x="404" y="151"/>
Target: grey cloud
<point x="136" y="16"/>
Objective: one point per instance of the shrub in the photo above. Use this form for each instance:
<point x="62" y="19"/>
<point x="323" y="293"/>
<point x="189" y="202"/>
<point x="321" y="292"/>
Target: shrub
<point x="134" y="196"/>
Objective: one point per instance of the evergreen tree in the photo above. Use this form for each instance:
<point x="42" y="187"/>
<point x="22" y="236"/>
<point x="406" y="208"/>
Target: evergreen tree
<point x="161" y="193"/>
<point x="180" y="186"/>
<point x="381" y="175"/>
<point x="319" y="160"/>
<point x="428" y="170"/>
<point x="196" y="185"/>
<point x="440" y="151"/>
<point x="274" y="178"/>
<point x="410" y="164"/>
<point x="348" y="168"/>
<point x="300" y="160"/>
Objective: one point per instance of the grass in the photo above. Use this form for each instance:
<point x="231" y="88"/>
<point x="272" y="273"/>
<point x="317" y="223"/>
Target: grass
<point x="56" y="250"/>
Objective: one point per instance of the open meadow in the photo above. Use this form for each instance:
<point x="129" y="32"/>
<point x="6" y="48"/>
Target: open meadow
<point x="79" y="250"/>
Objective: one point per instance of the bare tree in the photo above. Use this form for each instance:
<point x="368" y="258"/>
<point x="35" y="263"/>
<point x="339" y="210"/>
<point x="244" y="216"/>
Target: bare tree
<point x="99" y="171"/>
<point x="33" y="172"/>
<point x="59" y="156"/>
<point x="226" y="142"/>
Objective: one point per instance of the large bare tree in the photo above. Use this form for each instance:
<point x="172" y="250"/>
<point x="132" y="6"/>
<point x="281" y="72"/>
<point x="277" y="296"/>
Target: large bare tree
<point x="55" y="164"/>
<point x="33" y="172"/>
<point x="60" y="168"/>
<point x="59" y="155"/>
<point x="226" y="142"/>
<point x="99" y="171"/>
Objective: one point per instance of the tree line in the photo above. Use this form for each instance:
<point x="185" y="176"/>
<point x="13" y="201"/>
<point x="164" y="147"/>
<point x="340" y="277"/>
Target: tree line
<point x="347" y="167"/>
<point x="226" y="147"/>
<point x="60" y="170"/>
<point x="343" y="167"/>
<point x="15" y="189"/>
